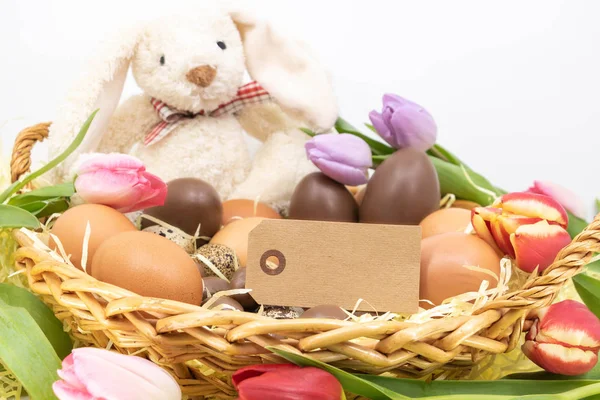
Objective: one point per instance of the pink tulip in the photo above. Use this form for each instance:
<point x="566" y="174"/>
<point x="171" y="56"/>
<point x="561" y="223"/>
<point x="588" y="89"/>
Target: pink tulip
<point x="285" y="382"/>
<point x="119" y="181"/>
<point x="564" y="196"/>
<point x="93" y="374"/>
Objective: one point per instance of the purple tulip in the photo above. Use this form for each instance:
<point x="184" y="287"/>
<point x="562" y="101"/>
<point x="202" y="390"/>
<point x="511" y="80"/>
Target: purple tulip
<point x="342" y="157"/>
<point x="403" y="123"/>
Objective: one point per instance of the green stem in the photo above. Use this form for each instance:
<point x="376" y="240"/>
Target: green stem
<point x="18" y="185"/>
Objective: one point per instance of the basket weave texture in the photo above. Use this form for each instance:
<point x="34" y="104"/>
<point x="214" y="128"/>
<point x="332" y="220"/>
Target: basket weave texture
<point x="202" y="348"/>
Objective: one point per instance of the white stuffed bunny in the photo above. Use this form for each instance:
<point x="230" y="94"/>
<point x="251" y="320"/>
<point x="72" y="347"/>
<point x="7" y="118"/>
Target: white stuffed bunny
<point x="191" y="118"/>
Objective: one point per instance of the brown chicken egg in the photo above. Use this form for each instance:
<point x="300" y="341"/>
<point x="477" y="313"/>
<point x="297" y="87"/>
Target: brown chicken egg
<point x="69" y="228"/>
<point x="243" y="208"/>
<point x="443" y="261"/>
<point x="235" y="236"/>
<point x="466" y="204"/>
<point x="444" y="221"/>
<point x="149" y="265"/>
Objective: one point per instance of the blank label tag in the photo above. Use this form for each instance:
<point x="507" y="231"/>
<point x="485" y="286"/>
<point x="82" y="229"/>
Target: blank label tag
<point x="309" y="263"/>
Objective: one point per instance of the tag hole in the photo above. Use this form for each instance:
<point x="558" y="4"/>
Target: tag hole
<point x="272" y="262"/>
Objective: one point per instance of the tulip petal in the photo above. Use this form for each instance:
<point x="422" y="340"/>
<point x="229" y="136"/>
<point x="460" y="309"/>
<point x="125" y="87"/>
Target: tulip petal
<point x="570" y="322"/>
<point x="414" y="127"/>
<point x="564" y="196"/>
<point x="111" y="161"/>
<point x="505" y="225"/>
<point x="308" y="383"/>
<point x="64" y="391"/>
<point x="256" y="370"/>
<point x="538" y="244"/>
<point x="111" y="375"/>
<point x="383" y="129"/>
<point x="482" y="226"/>
<point x="558" y="359"/>
<point x="343" y="148"/>
<point x="342" y="173"/>
<point x="534" y="205"/>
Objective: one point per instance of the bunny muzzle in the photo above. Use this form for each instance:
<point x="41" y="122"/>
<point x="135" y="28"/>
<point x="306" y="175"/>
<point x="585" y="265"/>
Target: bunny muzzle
<point x="202" y="75"/>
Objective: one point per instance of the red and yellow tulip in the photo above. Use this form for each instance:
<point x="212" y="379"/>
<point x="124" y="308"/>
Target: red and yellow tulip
<point x="564" y="338"/>
<point x="528" y="227"/>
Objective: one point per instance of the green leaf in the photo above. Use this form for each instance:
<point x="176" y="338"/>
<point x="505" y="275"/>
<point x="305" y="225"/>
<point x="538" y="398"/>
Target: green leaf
<point x="46" y="207"/>
<point x="452" y="180"/>
<point x="594" y="374"/>
<point x="594" y="268"/>
<point x="27" y="353"/>
<point x="14" y="217"/>
<point x="45" y="193"/>
<point x="421" y="389"/>
<point x="348" y="381"/>
<point x="385" y="388"/>
<point x="308" y="132"/>
<point x="576" y="225"/>
<point x="18" y="185"/>
<point x="588" y="289"/>
<point x="440" y="152"/>
<point x="597" y="206"/>
<point x="377" y="147"/>
<point x="50" y="325"/>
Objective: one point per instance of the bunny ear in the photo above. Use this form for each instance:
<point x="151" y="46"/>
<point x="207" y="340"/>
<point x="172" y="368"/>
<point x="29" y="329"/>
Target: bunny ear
<point x="289" y="71"/>
<point x="100" y="88"/>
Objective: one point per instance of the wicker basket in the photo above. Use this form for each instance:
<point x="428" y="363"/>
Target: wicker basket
<point x="202" y="348"/>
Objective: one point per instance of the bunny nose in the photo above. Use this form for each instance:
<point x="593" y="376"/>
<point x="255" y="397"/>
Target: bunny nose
<point x="202" y="75"/>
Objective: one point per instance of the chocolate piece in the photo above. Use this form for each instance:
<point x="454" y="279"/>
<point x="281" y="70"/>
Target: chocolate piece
<point x="238" y="281"/>
<point x="403" y="190"/>
<point x="320" y="198"/>
<point x="214" y="284"/>
<point x="325" y="311"/>
<point x="190" y="202"/>
<point x="230" y="304"/>
<point x="221" y="257"/>
<point x="279" y="312"/>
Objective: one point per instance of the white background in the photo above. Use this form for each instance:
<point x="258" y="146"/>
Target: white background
<point x="513" y="85"/>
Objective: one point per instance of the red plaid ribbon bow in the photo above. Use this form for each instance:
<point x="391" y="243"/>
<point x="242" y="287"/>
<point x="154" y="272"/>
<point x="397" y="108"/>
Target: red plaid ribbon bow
<point x="250" y="93"/>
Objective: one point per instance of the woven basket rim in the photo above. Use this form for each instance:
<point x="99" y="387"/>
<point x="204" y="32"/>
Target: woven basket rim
<point x="169" y="332"/>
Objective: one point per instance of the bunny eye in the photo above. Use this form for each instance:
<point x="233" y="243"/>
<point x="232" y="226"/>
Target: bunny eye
<point x="162" y="60"/>
<point x="221" y="45"/>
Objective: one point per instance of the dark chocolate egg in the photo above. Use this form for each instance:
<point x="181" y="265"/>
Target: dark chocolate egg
<point x="190" y="202"/>
<point x="214" y="284"/>
<point x="403" y="190"/>
<point x="238" y="281"/>
<point x="325" y="311"/>
<point x="320" y="198"/>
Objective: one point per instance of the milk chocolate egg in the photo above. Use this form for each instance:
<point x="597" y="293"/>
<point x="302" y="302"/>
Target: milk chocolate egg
<point x="214" y="284"/>
<point x="403" y="190"/>
<point x="238" y="281"/>
<point x="149" y="265"/>
<point x="320" y="198"/>
<point x="325" y="311"/>
<point x="243" y="208"/>
<point x="190" y="202"/>
<point x="443" y="261"/>
<point x="444" y="221"/>
<point x="69" y="228"/>
<point x="235" y="236"/>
